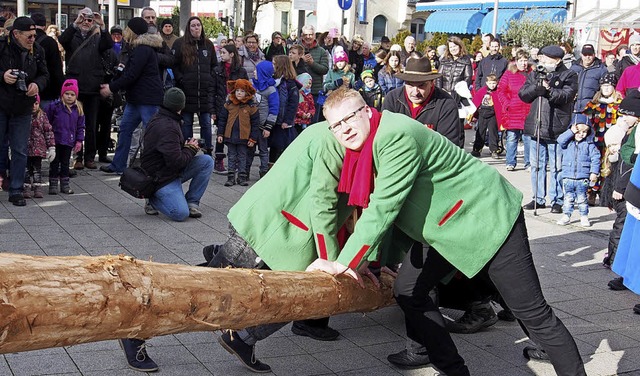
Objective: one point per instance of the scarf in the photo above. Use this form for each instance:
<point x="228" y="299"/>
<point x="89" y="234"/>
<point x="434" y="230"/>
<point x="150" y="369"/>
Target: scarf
<point x="417" y="108"/>
<point x="255" y="56"/>
<point x="356" y="177"/>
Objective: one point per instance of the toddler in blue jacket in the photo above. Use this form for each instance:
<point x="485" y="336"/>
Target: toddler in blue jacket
<point x="580" y="166"/>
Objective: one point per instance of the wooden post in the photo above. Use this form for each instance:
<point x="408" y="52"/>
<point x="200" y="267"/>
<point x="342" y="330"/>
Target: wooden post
<point x="59" y="301"/>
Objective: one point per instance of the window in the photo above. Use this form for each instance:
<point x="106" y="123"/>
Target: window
<point x="379" y="28"/>
<point x="284" y="22"/>
<point x="417" y="29"/>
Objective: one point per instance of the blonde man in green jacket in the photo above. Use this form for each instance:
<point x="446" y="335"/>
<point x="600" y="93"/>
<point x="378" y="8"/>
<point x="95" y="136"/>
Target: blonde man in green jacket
<point x="437" y="194"/>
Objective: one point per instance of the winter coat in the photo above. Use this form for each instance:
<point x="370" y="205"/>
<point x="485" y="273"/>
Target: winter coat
<point x="629" y="80"/>
<point x="196" y="80"/>
<point x="515" y="111"/>
<point x="306" y="106"/>
<point x="335" y="78"/>
<point x="170" y="39"/>
<point x="86" y="66"/>
<point x="369" y="63"/>
<point x="492" y="64"/>
<point x="68" y="125"/>
<point x="318" y="68"/>
<point x="497" y="106"/>
<point x="165" y="155"/>
<point x="248" y="64"/>
<point x="54" y="65"/>
<point x="439" y="114"/>
<point x="41" y="137"/>
<point x="356" y="60"/>
<point x="293" y="228"/>
<point x="579" y="158"/>
<point x="300" y="68"/>
<point x="239" y="123"/>
<point x="623" y="64"/>
<point x="428" y="189"/>
<point x="556" y="103"/>
<point x="267" y="96"/>
<point x="12" y="56"/>
<point x="220" y="79"/>
<point x="388" y="81"/>
<point x="274" y="50"/>
<point x="141" y="75"/>
<point x="372" y="97"/>
<point x="454" y="71"/>
<point x="588" y="82"/>
<point x="288" y="95"/>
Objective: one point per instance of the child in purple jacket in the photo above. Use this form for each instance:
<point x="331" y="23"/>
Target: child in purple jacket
<point x="67" y="118"/>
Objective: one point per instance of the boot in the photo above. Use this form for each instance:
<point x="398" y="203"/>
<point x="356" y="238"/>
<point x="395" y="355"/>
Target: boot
<point x="218" y="166"/>
<point x="64" y="186"/>
<point x="480" y="315"/>
<point x="53" y="186"/>
<point x="26" y="191"/>
<point x="208" y="152"/>
<point x="242" y="179"/>
<point x="38" y="192"/>
<point x="231" y="179"/>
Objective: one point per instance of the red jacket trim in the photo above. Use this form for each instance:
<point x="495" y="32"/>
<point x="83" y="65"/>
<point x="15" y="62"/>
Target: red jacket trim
<point x="356" y="260"/>
<point x="322" y="247"/>
<point x="450" y="213"/>
<point x="294" y="221"/>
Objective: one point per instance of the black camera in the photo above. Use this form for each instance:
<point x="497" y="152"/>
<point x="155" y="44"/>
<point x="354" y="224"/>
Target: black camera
<point x="21" y="79"/>
<point x="201" y="143"/>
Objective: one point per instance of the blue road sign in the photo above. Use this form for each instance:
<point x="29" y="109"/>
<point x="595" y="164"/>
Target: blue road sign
<point x="345" y="4"/>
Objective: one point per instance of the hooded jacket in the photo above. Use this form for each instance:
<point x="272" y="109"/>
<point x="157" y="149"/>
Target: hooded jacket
<point x="269" y="98"/>
<point x="492" y="64"/>
<point x="579" y="158"/>
<point x="197" y="79"/>
<point x="220" y="78"/>
<point x="141" y="75"/>
<point x="556" y="104"/>
<point x="515" y="110"/>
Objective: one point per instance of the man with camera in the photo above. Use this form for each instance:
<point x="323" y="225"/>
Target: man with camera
<point x="551" y="90"/>
<point x="24" y="75"/>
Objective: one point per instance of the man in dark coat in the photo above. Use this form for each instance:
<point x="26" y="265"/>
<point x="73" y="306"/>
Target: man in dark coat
<point x="24" y="75"/>
<point x="551" y="93"/>
<point x="590" y="70"/>
<point x="494" y="63"/>
<point x="53" y="59"/>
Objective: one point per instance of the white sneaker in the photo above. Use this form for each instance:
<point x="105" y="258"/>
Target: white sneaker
<point x="564" y="220"/>
<point x="584" y="221"/>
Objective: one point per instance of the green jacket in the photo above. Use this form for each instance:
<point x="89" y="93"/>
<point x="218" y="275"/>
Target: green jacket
<point x="435" y="193"/>
<point x="331" y="79"/>
<point x="319" y="68"/>
<point x="295" y="209"/>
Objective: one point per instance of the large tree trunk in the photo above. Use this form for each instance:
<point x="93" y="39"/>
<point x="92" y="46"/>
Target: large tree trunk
<point x="59" y="301"/>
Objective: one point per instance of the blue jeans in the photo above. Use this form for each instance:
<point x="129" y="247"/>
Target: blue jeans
<point x="205" y="127"/>
<point x="172" y="202"/>
<point x="263" y="147"/>
<point x="132" y="116"/>
<point x="17" y="129"/>
<point x="513" y="136"/>
<point x="551" y="153"/>
<point x="237" y="157"/>
<point x="526" y="141"/>
<point x="575" y="193"/>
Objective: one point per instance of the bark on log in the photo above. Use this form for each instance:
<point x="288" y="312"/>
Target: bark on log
<point x="59" y="301"/>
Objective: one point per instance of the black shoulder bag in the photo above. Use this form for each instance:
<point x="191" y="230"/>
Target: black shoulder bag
<point x="136" y="182"/>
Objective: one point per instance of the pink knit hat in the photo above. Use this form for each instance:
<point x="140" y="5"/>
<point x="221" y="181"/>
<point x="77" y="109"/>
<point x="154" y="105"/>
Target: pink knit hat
<point x="69" y="85"/>
<point x="340" y="56"/>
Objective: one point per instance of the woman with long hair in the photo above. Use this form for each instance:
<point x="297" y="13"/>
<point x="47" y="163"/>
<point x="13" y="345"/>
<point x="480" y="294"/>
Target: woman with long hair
<point x="195" y="61"/>
<point x="387" y="76"/>
<point x="455" y="65"/>
<point x="230" y="68"/>
<point x="284" y="132"/>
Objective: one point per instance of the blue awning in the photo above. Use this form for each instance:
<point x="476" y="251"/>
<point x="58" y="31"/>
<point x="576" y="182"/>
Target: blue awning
<point x="546" y="14"/>
<point x="504" y="16"/>
<point x="454" y="21"/>
<point x="488" y="4"/>
<point x="449" y="5"/>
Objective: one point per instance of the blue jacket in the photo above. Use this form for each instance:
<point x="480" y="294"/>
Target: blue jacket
<point x="588" y="82"/>
<point x="579" y="158"/>
<point x="268" y="99"/>
<point x="288" y="96"/>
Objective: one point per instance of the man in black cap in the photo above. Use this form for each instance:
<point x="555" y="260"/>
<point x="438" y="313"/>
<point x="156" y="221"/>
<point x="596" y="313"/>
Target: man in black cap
<point x="53" y="59"/>
<point x="116" y="37"/>
<point x="590" y="70"/>
<point x="166" y="32"/>
<point x="385" y="43"/>
<point x="551" y="93"/>
<point x="24" y="75"/>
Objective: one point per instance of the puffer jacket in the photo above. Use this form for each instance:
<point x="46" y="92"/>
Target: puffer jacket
<point x="454" y="71"/>
<point x="588" y="82"/>
<point x="248" y="64"/>
<point x="141" y="76"/>
<point x="492" y="64"/>
<point x="220" y="78"/>
<point x="579" y="158"/>
<point x="388" y="81"/>
<point x="289" y="97"/>
<point x="319" y="68"/>
<point x="86" y="66"/>
<point x="515" y="110"/>
<point x="556" y="103"/>
<point x="12" y="56"/>
<point x="196" y="80"/>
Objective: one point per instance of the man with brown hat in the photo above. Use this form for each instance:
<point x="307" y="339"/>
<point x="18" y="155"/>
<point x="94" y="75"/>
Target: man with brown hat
<point x="421" y="100"/>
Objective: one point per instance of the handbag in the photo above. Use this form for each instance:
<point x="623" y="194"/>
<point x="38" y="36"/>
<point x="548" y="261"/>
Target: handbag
<point x="136" y="182"/>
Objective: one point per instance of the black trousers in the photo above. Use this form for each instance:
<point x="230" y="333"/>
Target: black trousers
<point x="103" y="124"/>
<point x="90" y="106"/>
<point x="620" y="207"/>
<point x="487" y="128"/>
<point x="59" y="168"/>
<point x="514" y="275"/>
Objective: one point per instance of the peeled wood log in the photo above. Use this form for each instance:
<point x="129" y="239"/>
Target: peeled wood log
<point x="59" y="301"/>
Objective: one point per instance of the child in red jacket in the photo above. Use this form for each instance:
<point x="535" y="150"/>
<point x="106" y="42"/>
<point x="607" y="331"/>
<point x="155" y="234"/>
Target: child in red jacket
<point x="489" y="115"/>
<point x="306" y="106"/>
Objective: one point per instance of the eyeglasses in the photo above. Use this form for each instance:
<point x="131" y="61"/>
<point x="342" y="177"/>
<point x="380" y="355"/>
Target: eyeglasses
<point x="30" y="36"/>
<point x="337" y="127"/>
<point x="88" y="20"/>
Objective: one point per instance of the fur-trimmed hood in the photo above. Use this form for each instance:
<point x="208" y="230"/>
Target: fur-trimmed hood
<point x="148" y="39"/>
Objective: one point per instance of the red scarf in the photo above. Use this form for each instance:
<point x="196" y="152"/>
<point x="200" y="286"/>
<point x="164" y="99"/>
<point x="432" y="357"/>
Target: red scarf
<point x="356" y="177"/>
<point x="416" y="109"/>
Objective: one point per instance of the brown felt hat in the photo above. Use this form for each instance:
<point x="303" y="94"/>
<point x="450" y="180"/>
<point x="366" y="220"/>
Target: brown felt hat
<point x="418" y="70"/>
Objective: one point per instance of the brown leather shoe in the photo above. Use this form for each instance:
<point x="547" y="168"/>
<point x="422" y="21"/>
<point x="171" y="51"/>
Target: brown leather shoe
<point x="91" y="165"/>
<point x="77" y="165"/>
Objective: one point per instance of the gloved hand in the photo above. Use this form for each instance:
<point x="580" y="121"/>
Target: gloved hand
<point x="634" y="211"/>
<point x="77" y="147"/>
<point x="51" y="154"/>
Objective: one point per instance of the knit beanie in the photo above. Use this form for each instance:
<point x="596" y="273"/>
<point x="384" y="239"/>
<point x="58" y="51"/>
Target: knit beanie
<point x="39" y="19"/>
<point x="634" y="39"/>
<point x="69" y="85"/>
<point x="138" y="25"/>
<point x="166" y="21"/>
<point x="630" y="105"/>
<point x="340" y="56"/>
<point x="174" y="99"/>
<point x="608" y="79"/>
<point x="615" y="134"/>
<point x="367" y="73"/>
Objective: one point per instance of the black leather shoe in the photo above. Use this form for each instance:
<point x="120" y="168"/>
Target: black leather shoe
<point x="556" y="209"/>
<point x="107" y="169"/>
<point x="409" y="360"/>
<point x="209" y="251"/>
<point x="104" y="159"/>
<point x="242" y="351"/>
<point x="636" y="308"/>
<point x="18" y="200"/>
<point x="617" y="284"/>
<point x="136" y="353"/>
<point x="317" y="333"/>
<point x="529" y="206"/>
<point x="534" y="353"/>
